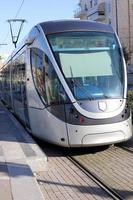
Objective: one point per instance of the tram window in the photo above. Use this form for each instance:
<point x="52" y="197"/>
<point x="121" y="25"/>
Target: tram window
<point x="38" y="71"/>
<point x="90" y="62"/>
<point x="18" y="77"/>
<point x="45" y="78"/>
<point x="54" y="89"/>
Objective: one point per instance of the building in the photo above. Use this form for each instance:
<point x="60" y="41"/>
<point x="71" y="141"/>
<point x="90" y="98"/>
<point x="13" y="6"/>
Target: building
<point x="1" y="63"/>
<point x="118" y="13"/>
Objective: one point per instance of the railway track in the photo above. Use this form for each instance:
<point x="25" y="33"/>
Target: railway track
<point x="111" y="168"/>
<point x="96" y="179"/>
<point x="127" y="146"/>
<point x="90" y="186"/>
<point x="127" y="149"/>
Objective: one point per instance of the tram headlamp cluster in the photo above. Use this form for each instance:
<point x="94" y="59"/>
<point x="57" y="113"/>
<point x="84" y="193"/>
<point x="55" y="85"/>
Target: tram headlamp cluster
<point x="77" y="115"/>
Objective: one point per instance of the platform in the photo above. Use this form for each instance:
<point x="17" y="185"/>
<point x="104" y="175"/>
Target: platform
<point x="20" y="158"/>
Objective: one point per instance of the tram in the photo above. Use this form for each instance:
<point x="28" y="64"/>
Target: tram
<point x="67" y="82"/>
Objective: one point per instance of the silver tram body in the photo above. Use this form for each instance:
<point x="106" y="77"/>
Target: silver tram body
<point x="67" y="83"/>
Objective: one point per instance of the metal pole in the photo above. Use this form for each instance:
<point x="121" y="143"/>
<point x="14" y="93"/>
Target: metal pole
<point x="129" y="22"/>
<point x="117" y="30"/>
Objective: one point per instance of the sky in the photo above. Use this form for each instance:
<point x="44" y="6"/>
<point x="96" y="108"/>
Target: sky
<point x="33" y="11"/>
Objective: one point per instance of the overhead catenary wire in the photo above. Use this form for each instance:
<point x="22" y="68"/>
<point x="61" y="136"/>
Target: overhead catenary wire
<point x="19" y="9"/>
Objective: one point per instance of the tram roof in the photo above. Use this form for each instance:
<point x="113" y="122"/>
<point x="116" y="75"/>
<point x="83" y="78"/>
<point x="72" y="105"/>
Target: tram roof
<point x="51" y="27"/>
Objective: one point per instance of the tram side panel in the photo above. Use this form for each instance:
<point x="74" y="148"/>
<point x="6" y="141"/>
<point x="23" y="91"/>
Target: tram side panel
<point x="45" y="115"/>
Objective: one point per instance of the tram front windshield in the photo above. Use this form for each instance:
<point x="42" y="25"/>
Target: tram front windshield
<point x="91" y="63"/>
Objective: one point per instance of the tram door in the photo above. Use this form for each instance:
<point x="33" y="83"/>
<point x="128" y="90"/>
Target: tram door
<point x="19" y="89"/>
<point x="24" y="96"/>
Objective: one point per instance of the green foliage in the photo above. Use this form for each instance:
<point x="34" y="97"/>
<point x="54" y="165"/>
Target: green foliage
<point x="130" y="99"/>
<point x="126" y="54"/>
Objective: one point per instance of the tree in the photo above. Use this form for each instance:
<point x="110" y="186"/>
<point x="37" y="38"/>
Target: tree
<point x="126" y="54"/>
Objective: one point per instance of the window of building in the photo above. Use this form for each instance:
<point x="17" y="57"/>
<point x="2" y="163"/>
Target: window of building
<point x="86" y="8"/>
<point x="109" y="7"/>
<point x="95" y="2"/>
<point x="110" y="21"/>
<point x="91" y="4"/>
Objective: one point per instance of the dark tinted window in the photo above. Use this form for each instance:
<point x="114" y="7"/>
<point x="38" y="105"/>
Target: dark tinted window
<point x="18" y="77"/>
<point x="45" y="78"/>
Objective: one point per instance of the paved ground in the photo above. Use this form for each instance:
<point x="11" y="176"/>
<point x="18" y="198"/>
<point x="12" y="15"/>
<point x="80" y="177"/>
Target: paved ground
<point x="20" y="157"/>
<point x="114" y="166"/>
<point x="66" y="182"/>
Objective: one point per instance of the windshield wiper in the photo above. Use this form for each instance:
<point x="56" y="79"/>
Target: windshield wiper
<point x="76" y="83"/>
<point x="106" y="96"/>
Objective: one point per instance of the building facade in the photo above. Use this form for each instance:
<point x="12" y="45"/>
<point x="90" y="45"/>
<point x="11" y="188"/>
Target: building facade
<point x="1" y="63"/>
<point x="118" y="13"/>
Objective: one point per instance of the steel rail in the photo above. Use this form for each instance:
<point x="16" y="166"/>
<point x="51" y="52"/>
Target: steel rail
<point x="112" y="193"/>
<point x="126" y="149"/>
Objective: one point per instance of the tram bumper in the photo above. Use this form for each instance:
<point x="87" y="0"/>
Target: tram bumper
<point x="83" y="136"/>
<point x="103" y="138"/>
